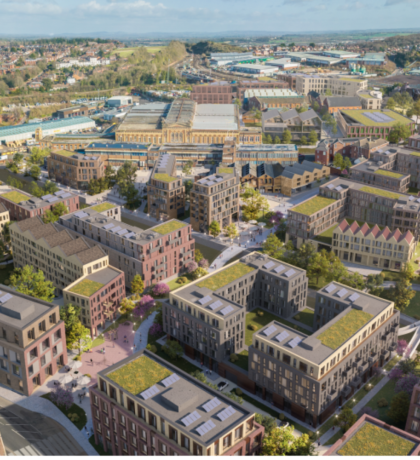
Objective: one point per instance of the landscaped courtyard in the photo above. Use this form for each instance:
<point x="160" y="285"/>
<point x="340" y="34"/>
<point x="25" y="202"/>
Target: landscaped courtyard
<point x="305" y="316"/>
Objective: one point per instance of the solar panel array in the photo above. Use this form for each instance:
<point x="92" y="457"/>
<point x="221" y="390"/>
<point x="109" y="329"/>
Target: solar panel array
<point x="270" y="330"/>
<point x="206" y="427"/>
<point x="154" y="390"/>
<point x="282" y="336"/>
<point x="226" y="413"/>
<point x="66" y="195"/>
<point x="339" y="188"/>
<point x="354" y="297"/>
<point x="53" y="199"/>
<point x="330" y="288"/>
<point x="279" y="269"/>
<point x="330" y="186"/>
<point x="289" y="273"/>
<point x="45" y="197"/>
<point x="294" y="342"/>
<point x="342" y="293"/>
<point x="378" y="117"/>
<point x="169" y="380"/>
<point x="5" y="298"/>
<point x="129" y="235"/>
<point x="205" y="300"/>
<point x="108" y="226"/>
<point x="225" y="311"/>
<point x="269" y="264"/>
<point x="215" y="305"/>
<point x="115" y="229"/>
<point x="81" y="214"/>
<point x="122" y="232"/>
<point x="190" y="418"/>
<point x="212" y="404"/>
<point x="411" y="198"/>
<point x="61" y="192"/>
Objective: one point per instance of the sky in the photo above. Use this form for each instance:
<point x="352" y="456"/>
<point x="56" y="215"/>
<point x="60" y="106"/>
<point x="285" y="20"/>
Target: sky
<point x="54" y="17"/>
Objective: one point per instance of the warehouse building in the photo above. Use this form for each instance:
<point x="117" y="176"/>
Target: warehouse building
<point x="118" y="101"/>
<point x="255" y="69"/>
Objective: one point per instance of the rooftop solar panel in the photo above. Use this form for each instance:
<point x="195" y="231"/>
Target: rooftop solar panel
<point x="269" y="264"/>
<point x="45" y="197"/>
<point x="411" y="198"/>
<point x="342" y="292"/>
<point x="330" y="186"/>
<point x="206" y="427"/>
<point x="226" y="413"/>
<point x="122" y="232"/>
<point x="215" y="305"/>
<point x="81" y="215"/>
<point x="225" y="311"/>
<point x="150" y="392"/>
<point x="289" y="273"/>
<point x="129" y="235"/>
<point x="115" y="229"/>
<point x="190" y="418"/>
<point x="5" y="298"/>
<point x="339" y="188"/>
<point x="294" y="342"/>
<point x="205" y="300"/>
<point x="212" y="404"/>
<point x="66" y="195"/>
<point x="270" y="330"/>
<point x="330" y="288"/>
<point x="59" y="193"/>
<point x="279" y="269"/>
<point x="282" y="336"/>
<point x="53" y="199"/>
<point x="108" y="226"/>
<point x="354" y="297"/>
<point x="170" y="380"/>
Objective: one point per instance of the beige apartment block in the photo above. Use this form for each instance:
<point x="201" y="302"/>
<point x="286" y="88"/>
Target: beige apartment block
<point x="4" y="216"/>
<point x="339" y="86"/>
<point x="372" y="246"/>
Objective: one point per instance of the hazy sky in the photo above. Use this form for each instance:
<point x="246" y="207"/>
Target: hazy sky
<point x="84" y="16"/>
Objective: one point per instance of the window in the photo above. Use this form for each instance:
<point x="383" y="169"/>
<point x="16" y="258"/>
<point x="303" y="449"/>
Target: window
<point x="238" y="432"/>
<point x="227" y="441"/>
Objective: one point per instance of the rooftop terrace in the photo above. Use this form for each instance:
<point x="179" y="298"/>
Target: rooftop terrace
<point x="15" y="197"/>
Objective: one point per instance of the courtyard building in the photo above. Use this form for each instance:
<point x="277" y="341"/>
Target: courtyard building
<point x="339" y="86"/>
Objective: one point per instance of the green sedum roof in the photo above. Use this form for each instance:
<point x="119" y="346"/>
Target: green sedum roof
<point x="163" y="177"/>
<point x="169" y="227"/>
<point x="358" y="116"/>
<point x="103" y="207"/>
<point x="380" y="192"/>
<point x="313" y="205"/>
<point x="226" y="276"/>
<point x="225" y="170"/>
<point x="86" y="288"/>
<point x="65" y="153"/>
<point x="384" y="172"/>
<point x="15" y="196"/>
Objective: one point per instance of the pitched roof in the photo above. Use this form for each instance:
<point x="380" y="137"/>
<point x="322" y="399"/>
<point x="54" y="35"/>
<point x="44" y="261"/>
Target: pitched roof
<point x="343" y="101"/>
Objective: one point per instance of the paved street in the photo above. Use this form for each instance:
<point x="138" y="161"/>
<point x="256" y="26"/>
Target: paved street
<point x="29" y="433"/>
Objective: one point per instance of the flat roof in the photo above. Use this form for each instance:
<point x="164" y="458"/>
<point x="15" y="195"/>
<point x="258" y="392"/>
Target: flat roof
<point x="364" y="117"/>
<point x="215" y="117"/>
<point x="92" y="283"/>
<point x="30" y="202"/>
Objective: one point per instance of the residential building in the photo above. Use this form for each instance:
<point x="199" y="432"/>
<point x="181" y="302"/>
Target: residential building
<point x="413" y="420"/>
<point x="33" y="341"/>
<point x="156" y="253"/>
<point x="343" y="198"/>
<point x="335" y="103"/>
<point x="339" y="86"/>
<point x="144" y="405"/>
<point x="22" y="205"/>
<point x="262" y="99"/>
<point x="275" y="122"/>
<point x="4" y="216"/>
<point x="377" y="437"/>
<point x="208" y="316"/>
<point x="289" y="79"/>
<point x="414" y="141"/>
<point x="372" y="172"/>
<point x="75" y="169"/>
<point x="373" y="247"/>
<point x="215" y="198"/>
<point x="370" y="100"/>
<point x="165" y="191"/>
<point x="98" y="294"/>
<point x="370" y="123"/>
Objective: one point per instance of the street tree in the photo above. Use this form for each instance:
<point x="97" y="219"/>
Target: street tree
<point x="126" y="307"/>
<point x="282" y="441"/>
<point x="60" y="209"/>
<point x="173" y="349"/>
<point x="304" y="140"/>
<point x="35" y="172"/>
<point x="346" y="419"/>
<point x="70" y="314"/>
<point x="313" y="138"/>
<point x="187" y="169"/>
<point x="399" y="132"/>
<point x="254" y="203"/>
<point x="33" y="283"/>
<point x="79" y="338"/>
<point x="338" y="161"/>
<point x="137" y="285"/>
<point x="390" y="104"/>
<point x="188" y="187"/>
<point x="231" y="231"/>
<point x="273" y="246"/>
<point x="318" y="267"/>
<point x="214" y="229"/>
<point x="286" y="137"/>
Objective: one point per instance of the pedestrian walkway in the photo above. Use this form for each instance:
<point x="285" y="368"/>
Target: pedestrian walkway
<point x="140" y="336"/>
<point x="370" y="394"/>
<point x="224" y="257"/>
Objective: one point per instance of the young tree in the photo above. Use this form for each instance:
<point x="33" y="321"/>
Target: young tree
<point x="126" y="306"/>
<point x="347" y="164"/>
<point x="160" y="289"/>
<point x="269" y="423"/>
<point x="110" y="176"/>
<point x="137" y="285"/>
<point x="315" y="106"/>
<point x="188" y="187"/>
<point x="214" y="228"/>
<point x="286" y="138"/>
<point x="407" y="383"/>
<point x="198" y="255"/>
<point x="390" y="104"/>
<point x="35" y="172"/>
<point x="398" y="410"/>
<point x="304" y="140"/>
<point x="70" y="314"/>
<point x="173" y="349"/>
<point x="268" y="139"/>
<point x="231" y="231"/>
<point x="204" y="263"/>
<point x="50" y="187"/>
<point x="273" y="246"/>
<point x="62" y="398"/>
<point x="60" y="209"/>
<point x="79" y="338"/>
<point x="318" y="267"/>
<point x="328" y="92"/>
<point x="399" y="132"/>
<point x="305" y="253"/>
<point x="254" y="203"/>
<point x="187" y="169"/>
<point x="313" y="138"/>
<point x="198" y="273"/>
<point x="338" y="161"/>
<point x="277" y="140"/>
<point x="346" y="419"/>
<point x="281" y="441"/>
<point x="33" y="283"/>
<point x="192" y="267"/>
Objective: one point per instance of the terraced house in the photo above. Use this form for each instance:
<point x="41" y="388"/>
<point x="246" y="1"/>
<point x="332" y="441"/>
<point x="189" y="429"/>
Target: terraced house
<point x="144" y="405"/>
<point x="343" y="198"/>
<point x="156" y="254"/>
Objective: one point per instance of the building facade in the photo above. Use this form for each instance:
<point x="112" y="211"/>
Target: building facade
<point x="339" y="86"/>
<point x="215" y="198"/>
<point x="33" y="341"/>
<point x="335" y="103"/>
<point x="4" y="216"/>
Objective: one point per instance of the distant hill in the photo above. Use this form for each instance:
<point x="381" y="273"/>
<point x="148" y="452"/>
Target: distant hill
<point x="207" y="47"/>
<point x="397" y="41"/>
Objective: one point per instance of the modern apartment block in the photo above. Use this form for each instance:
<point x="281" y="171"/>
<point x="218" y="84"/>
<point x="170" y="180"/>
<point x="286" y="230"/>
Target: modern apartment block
<point x="75" y="169"/>
<point x="165" y="191"/>
<point x="63" y="257"/>
<point x="372" y="173"/>
<point x="413" y="420"/>
<point x="343" y="198"/>
<point x="311" y="375"/>
<point x="414" y="141"/>
<point x="98" y="294"/>
<point x="373" y="247"/>
<point x="215" y="198"/>
<point x="208" y="316"/>
<point x="339" y="86"/>
<point x="156" y="253"/>
<point x="22" y="205"/>
<point x="370" y="100"/>
<point x="4" y="216"/>
<point x="32" y="341"/>
<point x="143" y="405"/>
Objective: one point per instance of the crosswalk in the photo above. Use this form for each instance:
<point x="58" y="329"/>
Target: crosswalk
<point x="59" y="444"/>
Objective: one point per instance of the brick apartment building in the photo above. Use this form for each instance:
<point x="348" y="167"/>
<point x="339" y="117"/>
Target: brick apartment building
<point x="335" y="103"/>
<point x="169" y="413"/>
<point x="4" y="216"/>
<point x="32" y="343"/>
<point x="156" y="253"/>
<point x="165" y="191"/>
<point x="413" y="420"/>
<point x="343" y="198"/>
<point x="99" y="295"/>
<point x="215" y="198"/>
<point x="75" y="169"/>
<point x="414" y="141"/>
<point x="22" y="205"/>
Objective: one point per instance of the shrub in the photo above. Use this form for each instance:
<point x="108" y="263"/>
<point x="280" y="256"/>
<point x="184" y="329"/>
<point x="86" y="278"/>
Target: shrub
<point x="192" y="267"/>
<point x="203" y="263"/>
<point x="198" y="273"/>
<point x="253" y="327"/>
<point x="74" y="417"/>
<point x="382" y="403"/>
<point x="260" y="313"/>
<point x="239" y="392"/>
<point x="233" y="358"/>
<point x="151" y="348"/>
<point x="282" y="417"/>
<point x="297" y="317"/>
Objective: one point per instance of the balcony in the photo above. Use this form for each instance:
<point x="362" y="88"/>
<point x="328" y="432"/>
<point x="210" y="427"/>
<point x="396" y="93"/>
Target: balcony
<point x="394" y="329"/>
<point x="363" y="367"/>
<point x="346" y="391"/>
<point x="356" y="382"/>
<point x="393" y="347"/>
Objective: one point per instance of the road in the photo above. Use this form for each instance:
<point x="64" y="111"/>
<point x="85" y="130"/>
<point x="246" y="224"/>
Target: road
<point x="28" y="433"/>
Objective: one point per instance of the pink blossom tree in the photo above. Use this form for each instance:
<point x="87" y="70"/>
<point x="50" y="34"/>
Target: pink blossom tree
<point x="401" y="347"/>
<point x="192" y="267"/>
<point x="204" y="263"/>
<point x="156" y="329"/>
<point x="396" y="373"/>
<point x="146" y="303"/>
<point x="406" y="383"/>
<point x="160" y="289"/>
<point x="62" y="397"/>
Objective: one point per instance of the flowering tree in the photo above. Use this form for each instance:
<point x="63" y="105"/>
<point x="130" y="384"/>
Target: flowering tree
<point x="160" y="289"/>
<point x="146" y="303"/>
<point x="406" y="384"/>
<point x="396" y="373"/>
<point x="192" y="267"/>
<point x="156" y="329"/>
<point x="62" y="397"/>
<point x="401" y="347"/>
<point x="204" y="263"/>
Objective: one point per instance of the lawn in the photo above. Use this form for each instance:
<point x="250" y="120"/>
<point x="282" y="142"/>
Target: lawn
<point x="315" y="284"/>
<point x="243" y="360"/>
<point x="391" y="363"/>
<point x="344" y="328"/>
<point x="124" y="52"/>
<point x="74" y="409"/>
<point x="326" y="237"/>
<point x="139" y="375"/>
<point x="174" y="285"/>
<point x="413" y="190"/>
<point x="306" y="316"/>
<point x="154" y="49"/>
<point x="416" y="255"/>
<point x="384" y="172"/>
<point x="413" y="308"/>
<point x="169" y="227"/>
<point x="260" y="321"/>
<point x="386" y="392"/>
<point x="373" y="440"/>
<point x="5" y="272"/>
<point x="226" y="276"/>
<point x="15" y="197"/>
<point x="163" y="177"/>
<point x="103" y="207"/>
<point x="225" y="170"/>
<point x="384" y="193"/>
<point x="65" y="153"/>
<point x="209" y="253"/>
<point x="86" y="288"/>
<point x="313" y="205"/>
